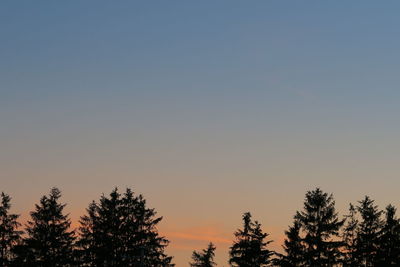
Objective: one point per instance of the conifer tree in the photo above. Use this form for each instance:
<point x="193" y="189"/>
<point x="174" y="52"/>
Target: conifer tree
<point x="350" y="258"/>
<point x="86" y="245"/>
<point x="320" y="224"/>
<point x="121" y="231"/>
<point x="108" y="225"/>
<point x="205" y="258"/>
<point x="250" y="248"/>
<point x="389" y="240"/>
<point x="49" y="242"/>
<point x="141" y="234"/>
<point x="9" y="233"/>
<point x="368" y="232"/>
<point x="293" y="247"/>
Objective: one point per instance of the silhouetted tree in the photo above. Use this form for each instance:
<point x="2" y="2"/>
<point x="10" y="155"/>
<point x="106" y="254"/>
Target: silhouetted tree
<point x="350" y="257"/>
<point x="293" y="246"/>
<point x="205" y="258"/>
<point x="9" y="233"/>
<point x="320" y="224"/>
<point x="121" y="231"/>
<point x="86" y="245"/>
<point x="250" y="247"/>
<point x="368" y="232"/>
<point x="389" y="240"/>
<point x="49" y="242"/>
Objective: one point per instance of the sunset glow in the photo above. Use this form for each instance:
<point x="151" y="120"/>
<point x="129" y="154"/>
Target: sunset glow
<point x="208" y="108"/>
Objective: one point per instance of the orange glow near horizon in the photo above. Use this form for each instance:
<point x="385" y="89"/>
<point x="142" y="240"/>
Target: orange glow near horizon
<point x="184" y="240"/>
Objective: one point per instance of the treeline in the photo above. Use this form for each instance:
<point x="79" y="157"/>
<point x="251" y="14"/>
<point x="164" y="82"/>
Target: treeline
<point x="120" y="230"/>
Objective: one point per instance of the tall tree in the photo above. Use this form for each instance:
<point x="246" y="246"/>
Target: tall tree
<point x="9" y="233"/>
<point x="320" y="223"/>
<point x="250" y="248"/>
<point x="86" y="245"/>
<point x="205" y="258"/>
<point x="49" y="242"/>
<point x="368" y="232"/>
<point x="121" y="231"/>
<point x="294" y="248"/>
<point x="389" y="240"/>
<point x="350" y="257"/>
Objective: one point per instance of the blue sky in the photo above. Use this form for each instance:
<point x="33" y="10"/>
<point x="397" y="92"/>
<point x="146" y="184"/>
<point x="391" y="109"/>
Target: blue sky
<point x="242" y="102"/>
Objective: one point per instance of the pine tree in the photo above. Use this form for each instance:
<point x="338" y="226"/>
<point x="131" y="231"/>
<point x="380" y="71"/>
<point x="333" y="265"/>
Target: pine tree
<point x="49" y="242"/>
<point x="350" y="258"/>
<point x="320" y="224"/>
<point x="293" y="247"/>
<point x="368" y="232"/>
<point x="121" y="231"/>
<point x="205" y="258"/>
<point x="9" y="233"/>
<point x="108" y="226"/>
<point x="250" y="247"/>
<point x="389" y="241"/>
<point x="86" y="245"/>
<point x="141" y="234"/>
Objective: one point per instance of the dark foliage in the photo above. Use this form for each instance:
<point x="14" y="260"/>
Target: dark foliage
<point x="49" y="243"/>
<point x="9" y="233"/>
<point x="350" y="256"/>
<point x="294" y="248"/>
<point x="250" y="248"/>
<point x="389" y="240"/>
<point x="320" y="224"/>
<point x="368" y="233"/>
<point x="121" y="231"/>
<point x="205" y="258"/>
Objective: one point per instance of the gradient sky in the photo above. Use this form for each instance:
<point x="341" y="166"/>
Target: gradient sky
<point x="208" y="108"/>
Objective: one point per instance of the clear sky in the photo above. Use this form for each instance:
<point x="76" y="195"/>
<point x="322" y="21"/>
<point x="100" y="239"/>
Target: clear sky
<point x="208" y="108"/>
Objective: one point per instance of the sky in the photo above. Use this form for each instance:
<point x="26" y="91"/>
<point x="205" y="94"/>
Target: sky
<point x="207" y="108"/>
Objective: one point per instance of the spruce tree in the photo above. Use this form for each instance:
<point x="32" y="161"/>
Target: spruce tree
<point x="293" y="246"/>
<point x="205" y="258"/>
<point x="9" y="233"/>
<point x="250" y="248"/>
<point x="140" y="233"/>
<point x="121" y="231"/>
<point x="49" y="243"/>
<point x="389" y="240"/>
<point x="87" y="243"/>
<point x="320" y="224"/>
<point x="368" y="232"/>
<point x="108" y="225"/>
<point x="350" y="258"/>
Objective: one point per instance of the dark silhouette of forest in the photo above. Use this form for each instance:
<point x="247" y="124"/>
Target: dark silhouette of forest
<point x="120" y="230"/>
